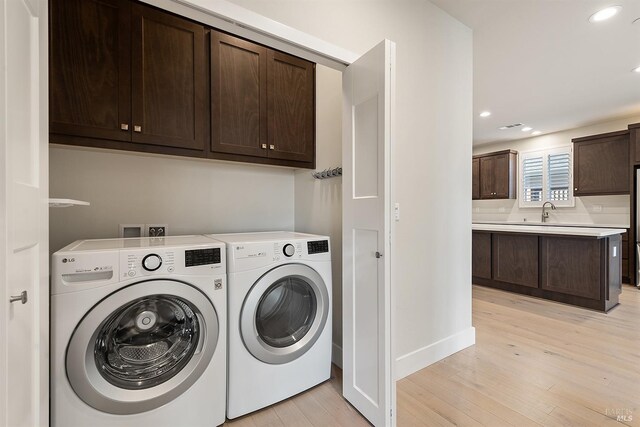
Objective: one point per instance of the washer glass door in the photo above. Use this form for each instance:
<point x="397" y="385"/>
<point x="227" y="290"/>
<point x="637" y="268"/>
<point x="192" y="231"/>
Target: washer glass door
<point x="142" y="346"/>
<point x="147" y="341"/>
<point x="284" y="313"/>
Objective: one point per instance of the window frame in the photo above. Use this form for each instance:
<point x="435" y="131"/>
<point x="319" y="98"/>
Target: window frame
<point x="522" y="203"/>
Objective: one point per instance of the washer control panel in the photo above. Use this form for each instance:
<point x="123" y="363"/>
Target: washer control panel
<point x="317" y="246"/>
<point x="197" y="257"/>
<point x="164" y="261"/>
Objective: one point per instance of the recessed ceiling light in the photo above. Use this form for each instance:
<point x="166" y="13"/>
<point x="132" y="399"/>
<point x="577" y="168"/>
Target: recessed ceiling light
<point x="536" y="132"/>
<point x="526" y="129"/>
<point x="485" y="114"/>
<point x="604" y="14"/>
<point x="636" y="70"/>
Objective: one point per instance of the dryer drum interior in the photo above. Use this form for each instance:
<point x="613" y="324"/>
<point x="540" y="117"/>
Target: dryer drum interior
<point x="284" y="313"/>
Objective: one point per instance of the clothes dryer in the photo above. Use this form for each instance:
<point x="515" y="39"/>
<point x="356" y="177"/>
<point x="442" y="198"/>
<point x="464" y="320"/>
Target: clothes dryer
<point x="279" y="305"/>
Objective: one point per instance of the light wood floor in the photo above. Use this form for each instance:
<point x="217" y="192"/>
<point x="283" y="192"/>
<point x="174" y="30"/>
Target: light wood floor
<point x="535" y="363"/>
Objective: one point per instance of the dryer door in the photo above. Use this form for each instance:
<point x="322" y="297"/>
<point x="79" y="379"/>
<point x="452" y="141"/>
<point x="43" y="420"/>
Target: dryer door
<point x="142" y="346"/>
<point x="284" y="313"/>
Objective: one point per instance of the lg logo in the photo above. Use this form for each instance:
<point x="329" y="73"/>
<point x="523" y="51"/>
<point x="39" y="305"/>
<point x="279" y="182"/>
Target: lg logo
<point x="66" y="260"/>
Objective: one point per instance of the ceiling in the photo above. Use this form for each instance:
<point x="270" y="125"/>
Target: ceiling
<point x="543" y="64"/>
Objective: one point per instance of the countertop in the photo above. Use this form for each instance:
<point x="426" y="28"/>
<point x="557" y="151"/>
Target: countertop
<point x="554" y="224"/>
<point x="549" y="229"/>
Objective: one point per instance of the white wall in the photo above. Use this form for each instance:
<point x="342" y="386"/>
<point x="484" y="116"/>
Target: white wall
<point x="432" y="180"/>
<point x="318" y="203"/>
<point x="192" y="196"/>
<point x="609" y="210"/>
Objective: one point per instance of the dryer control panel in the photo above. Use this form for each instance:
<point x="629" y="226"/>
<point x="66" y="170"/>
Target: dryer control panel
<point x="246" y="256"/>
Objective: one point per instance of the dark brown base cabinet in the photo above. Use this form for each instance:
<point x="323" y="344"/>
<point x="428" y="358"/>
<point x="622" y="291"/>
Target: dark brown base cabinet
<point x="582" y="271"/>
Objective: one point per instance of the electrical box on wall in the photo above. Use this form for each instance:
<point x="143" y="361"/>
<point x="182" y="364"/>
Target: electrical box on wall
<point x="156" y="230"/>
<point x="131" y="230"/>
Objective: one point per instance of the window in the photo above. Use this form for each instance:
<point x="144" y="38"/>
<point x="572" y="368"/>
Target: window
<point x="546" y="177"/>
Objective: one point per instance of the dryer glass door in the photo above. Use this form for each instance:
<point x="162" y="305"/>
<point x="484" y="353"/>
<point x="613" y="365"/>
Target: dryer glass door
<point x="284" y="313"/>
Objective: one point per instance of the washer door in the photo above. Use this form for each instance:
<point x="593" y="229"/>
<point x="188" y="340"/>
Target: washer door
<point x="142" y="346"/>
<point x="284" y="313"/>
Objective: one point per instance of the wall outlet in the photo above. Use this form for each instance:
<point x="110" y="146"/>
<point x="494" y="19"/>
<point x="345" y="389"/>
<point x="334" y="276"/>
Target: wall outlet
<point x="156" y="230"/>
<point x="131" y="230"/>
<point x="597" y="208"/>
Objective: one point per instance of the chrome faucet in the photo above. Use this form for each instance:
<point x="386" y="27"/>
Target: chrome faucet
<point x="545" y="215"/>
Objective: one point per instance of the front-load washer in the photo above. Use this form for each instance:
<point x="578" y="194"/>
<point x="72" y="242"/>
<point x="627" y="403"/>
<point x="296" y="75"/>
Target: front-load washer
<point x="279" y="306"/>
<point x="138" y="333"/>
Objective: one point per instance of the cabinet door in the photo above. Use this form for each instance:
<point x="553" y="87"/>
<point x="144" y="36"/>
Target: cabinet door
<point x="487" y="166"/>
<point x="90" y="72"/>
<point x="238" y="96"/>
<point x="501" y="176"/>
<point x="572" y="266"/>
<point x="481" y="255"/>
<point x="291" y="118"/>
<point x="515" y="259"/>
<point x="601" y="166"/>
<point x="168" y="75"/>
<point x="475" y="192"/>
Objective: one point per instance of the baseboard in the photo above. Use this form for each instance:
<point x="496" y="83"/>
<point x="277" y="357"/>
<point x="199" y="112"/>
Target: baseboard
<point x="336" y="355"/>
<point x="425" y="356"/>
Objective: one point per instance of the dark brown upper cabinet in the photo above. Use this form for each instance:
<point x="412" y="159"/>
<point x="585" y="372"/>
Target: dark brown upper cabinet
<point x="496" y="175"/>
<point x="90" y="68"/>
<point x="475" y="172"/>
<point x="168" y="80"/>
<point x="262" y="104"/>
<point x="290" y="92"/>
<point x="239" y="96"/>
<point x="126" y="76"/>
<point x="601" y="164"/>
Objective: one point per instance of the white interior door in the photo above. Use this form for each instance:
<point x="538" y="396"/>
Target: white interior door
<point x="24" y="252"/>
<point x="368" y="91"/>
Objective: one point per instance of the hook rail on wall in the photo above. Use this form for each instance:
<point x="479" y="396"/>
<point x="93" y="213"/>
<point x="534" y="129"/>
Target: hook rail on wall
<point x="327" y="173"/>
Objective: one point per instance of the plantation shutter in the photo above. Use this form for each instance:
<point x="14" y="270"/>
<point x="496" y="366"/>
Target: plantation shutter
<point x="532" y="172"/>
<point x="559" y="176"/>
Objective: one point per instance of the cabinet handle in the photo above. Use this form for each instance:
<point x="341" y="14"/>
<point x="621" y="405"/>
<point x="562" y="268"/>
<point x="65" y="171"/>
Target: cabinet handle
<point x="272" y="147"/>
<point x="137" y="128"/>
<point x="264" y="145"/>
<point x="124" y="126"/>
<point x="575" y="189"/>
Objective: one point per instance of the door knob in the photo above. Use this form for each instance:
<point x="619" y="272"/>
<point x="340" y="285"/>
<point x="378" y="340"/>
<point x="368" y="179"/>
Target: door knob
<point x="22" y="297"/>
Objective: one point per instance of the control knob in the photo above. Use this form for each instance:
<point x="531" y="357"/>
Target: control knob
<point x="151" y="262"/>
<point x="289" y="250"/>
